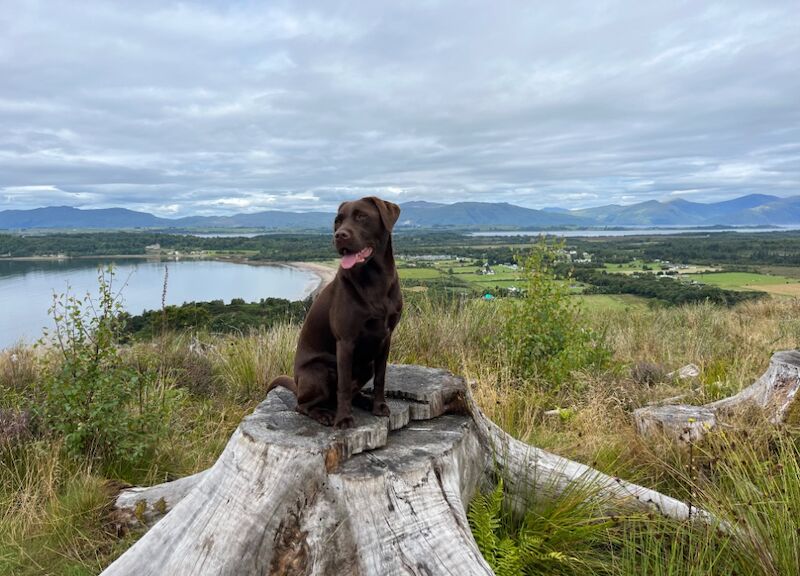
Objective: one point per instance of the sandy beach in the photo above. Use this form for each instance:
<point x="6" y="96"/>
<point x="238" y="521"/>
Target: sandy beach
<point x="326" y="273"/>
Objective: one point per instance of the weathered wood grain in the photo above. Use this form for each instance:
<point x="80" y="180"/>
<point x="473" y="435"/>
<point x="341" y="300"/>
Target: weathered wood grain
<point x="388" y="497"/>
<point x="774" y="392"/>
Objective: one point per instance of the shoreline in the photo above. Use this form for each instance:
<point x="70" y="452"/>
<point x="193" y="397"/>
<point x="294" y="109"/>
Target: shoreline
<point x="325" y="273"/>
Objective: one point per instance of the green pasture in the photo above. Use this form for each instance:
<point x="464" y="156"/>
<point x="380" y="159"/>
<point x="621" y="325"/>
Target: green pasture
<point x="740" y="280"/>
<point x="614" y="302"/>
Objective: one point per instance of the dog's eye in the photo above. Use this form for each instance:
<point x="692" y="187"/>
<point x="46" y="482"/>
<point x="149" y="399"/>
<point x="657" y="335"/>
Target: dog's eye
<point x="338" y="219"/>
<point x="361" y="217"/>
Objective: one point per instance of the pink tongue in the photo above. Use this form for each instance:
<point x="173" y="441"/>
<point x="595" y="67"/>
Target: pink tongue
<point x="349" y="260"/>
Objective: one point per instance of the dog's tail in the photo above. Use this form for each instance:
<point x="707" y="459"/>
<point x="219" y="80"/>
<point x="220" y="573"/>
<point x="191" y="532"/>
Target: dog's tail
<point x="285" y="381"/>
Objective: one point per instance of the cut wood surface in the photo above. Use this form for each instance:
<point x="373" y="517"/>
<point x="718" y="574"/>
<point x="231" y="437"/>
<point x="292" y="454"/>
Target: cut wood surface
<point x="774" y="392"/>
<point x="387" y="497"/>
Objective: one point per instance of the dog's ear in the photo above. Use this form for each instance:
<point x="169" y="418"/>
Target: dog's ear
<point x="389" y="211"/>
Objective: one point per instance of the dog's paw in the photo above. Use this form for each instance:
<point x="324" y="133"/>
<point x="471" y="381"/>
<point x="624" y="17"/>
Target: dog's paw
<point x="381" y="409"/>
<point x="324" y="417"/>
<point x="344" y="422"/>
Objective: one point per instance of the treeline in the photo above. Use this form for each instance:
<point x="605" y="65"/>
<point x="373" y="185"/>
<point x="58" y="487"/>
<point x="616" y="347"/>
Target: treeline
<point x="272" y="247"/>
<point x="727" y="248"/>
<point x="216" y="316"/>
<point x="664" y="288"/>
<point x="731" y="248"/>
<point x="281" y="247"/>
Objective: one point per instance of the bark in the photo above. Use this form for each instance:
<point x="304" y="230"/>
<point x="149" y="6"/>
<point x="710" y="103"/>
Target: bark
<point x="388" y="497"/>
<point x="774" y="392"/>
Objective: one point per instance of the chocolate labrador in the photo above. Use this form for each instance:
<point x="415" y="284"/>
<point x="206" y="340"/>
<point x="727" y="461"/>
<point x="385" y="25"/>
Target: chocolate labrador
<point x="346" y="335"/>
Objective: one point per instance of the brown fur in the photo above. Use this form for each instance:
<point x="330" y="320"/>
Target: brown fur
<point x="346" y="335"/>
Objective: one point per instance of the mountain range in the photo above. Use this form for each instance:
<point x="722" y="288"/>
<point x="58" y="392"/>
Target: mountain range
<point x="751" y="210"/>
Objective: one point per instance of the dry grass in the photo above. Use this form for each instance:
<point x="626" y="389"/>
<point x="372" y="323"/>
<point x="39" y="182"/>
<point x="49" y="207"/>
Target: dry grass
<point x="19" y="370"/>
<point x="785" y="289"/>
<point x="52" y="508"/>
<point x="52" y="513"/>
<point x="246" y="364"/>
<point x="739" y="340"/>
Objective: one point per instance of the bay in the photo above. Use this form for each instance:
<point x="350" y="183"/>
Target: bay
<point x="27" y="287"/>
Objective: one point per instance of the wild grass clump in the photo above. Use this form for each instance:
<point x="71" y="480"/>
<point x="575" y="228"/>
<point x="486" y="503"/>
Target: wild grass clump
<point x="450" y="334"/>
<point x="19" y="372"/>
<point x="247" y="363"/>
<point x="569" y="534"/>
<point x="182" y="358"/>
<point x="52" y="512"/>
<point x="753" y="483"/>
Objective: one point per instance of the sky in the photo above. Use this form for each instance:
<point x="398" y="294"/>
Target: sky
<point x="222" y="107"/>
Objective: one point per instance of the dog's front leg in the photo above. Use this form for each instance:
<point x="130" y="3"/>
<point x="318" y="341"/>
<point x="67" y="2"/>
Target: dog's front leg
<point x="379" y="406"/>
<point x="344" y="384"/>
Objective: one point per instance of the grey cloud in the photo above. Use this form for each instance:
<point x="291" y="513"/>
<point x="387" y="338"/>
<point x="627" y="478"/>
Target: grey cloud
<point x="221" y="107"/>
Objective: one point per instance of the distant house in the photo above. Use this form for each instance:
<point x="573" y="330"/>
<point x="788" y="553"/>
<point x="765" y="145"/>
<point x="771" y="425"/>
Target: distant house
<point x="153" y="248"/>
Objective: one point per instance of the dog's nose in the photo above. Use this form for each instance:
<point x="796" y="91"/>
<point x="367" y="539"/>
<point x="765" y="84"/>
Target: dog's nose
<point x="342" y="235"/>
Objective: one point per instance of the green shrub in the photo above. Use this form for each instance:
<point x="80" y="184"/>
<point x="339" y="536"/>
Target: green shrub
<point x="103" y="408"/>
<point x="544" y="334"/>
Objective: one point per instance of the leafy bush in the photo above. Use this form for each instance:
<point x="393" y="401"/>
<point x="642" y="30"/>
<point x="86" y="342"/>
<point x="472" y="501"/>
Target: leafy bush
<point x="544" y="334"/>
<point x="103" y="408"/>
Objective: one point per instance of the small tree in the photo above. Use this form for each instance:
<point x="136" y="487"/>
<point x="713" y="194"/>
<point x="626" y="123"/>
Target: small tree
<point x="543" y="333"/>
<point x="103" y="408"/>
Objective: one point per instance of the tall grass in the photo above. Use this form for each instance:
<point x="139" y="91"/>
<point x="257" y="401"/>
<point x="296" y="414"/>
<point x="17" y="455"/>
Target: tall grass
<point x="19" y="373"/>
<point x="53" y="513"/>
<point x="247" y="363"/>
<point x="54" y="508"/>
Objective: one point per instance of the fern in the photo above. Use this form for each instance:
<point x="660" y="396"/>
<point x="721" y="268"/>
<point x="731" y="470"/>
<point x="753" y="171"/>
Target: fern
<point x="557" y="540"/>
<point x="508" y="561"/>
<point x="485" y="521"/>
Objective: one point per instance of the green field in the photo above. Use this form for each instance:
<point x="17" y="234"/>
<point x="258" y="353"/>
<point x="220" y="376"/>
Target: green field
<point x="594" y="302"/>
<point x="418" y="273"/>
<point x="744" y="281"/>
<point x="504" y="276"/>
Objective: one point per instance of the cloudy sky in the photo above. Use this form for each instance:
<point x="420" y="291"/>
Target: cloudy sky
<point x="220" y="107"/>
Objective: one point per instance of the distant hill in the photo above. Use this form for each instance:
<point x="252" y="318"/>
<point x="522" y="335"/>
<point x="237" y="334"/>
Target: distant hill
<point x="268" y="220"/>
<point x="751" y="210"/>
<point x="480" y="215"/>
<point x="650" y="213"/>
<point x="414" y="215"/>
<point x="781" y="212"/>
<point x="66" y="217"/>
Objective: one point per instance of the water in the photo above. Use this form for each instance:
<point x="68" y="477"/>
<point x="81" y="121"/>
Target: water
<point x="27" y="287"/>
<point x="630" y="232"/>
<point x="221" y="234"/>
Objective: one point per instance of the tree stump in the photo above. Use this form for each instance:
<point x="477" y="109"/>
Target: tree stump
<point x="774" y="392"/>
<point x="387" y="497"/>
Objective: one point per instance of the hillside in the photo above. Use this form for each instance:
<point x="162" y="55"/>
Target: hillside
<point x="750" y="210"/>
<point x="67" y="217"/>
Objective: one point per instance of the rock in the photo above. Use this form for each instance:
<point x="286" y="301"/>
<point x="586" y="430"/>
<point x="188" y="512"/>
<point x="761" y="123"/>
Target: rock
<point x="688" y="371"/>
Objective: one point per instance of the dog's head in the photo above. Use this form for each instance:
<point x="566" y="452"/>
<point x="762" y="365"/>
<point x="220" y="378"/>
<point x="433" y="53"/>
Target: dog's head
<point x="362" y="228"/>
